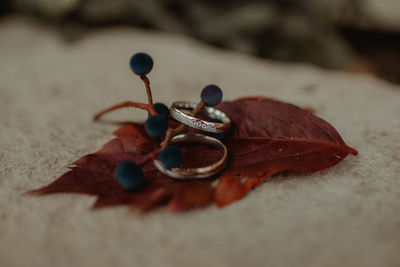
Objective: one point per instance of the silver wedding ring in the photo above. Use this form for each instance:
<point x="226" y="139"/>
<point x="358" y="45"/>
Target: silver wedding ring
<point x="213" y="127"/>
<point x="195" y="173"/>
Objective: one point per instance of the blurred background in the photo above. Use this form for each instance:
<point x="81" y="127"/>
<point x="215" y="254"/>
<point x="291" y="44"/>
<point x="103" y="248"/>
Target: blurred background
<point x="351" y="35"/>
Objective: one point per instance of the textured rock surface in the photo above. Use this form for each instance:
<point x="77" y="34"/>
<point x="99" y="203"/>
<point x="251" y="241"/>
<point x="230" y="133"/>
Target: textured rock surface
<point x="344" y="216"/>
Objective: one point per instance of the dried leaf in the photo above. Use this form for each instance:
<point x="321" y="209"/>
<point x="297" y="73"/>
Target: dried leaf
<point x="268" y="137"/>
<point x="229" y="190"/>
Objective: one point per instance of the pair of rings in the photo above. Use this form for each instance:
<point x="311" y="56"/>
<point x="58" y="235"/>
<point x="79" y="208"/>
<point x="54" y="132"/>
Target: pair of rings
<point x="176" y="112"/>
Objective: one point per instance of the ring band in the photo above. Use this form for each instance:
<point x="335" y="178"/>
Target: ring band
<point x="213" y="127"/>
<point x="191" y="173"/>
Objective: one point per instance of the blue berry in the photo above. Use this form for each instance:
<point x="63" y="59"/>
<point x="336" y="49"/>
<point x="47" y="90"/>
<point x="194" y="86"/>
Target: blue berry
<point x="171" y="157"/>
<point x="156" y="126"/>
<point x="219" y="136"/>
<point x="162" y="110"/>
<point x="129" y="175"/>
<point x="212" y="95"/>
<point x="141" y="63"/>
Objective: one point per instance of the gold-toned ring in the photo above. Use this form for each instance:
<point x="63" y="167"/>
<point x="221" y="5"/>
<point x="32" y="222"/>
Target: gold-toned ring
<point x="195" y="173"/>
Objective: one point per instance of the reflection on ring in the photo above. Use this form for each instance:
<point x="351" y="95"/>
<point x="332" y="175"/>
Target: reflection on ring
<point x="195" y="173"/>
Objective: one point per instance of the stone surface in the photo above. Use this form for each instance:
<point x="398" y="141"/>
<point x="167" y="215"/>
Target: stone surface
<point x="345" y="216"/>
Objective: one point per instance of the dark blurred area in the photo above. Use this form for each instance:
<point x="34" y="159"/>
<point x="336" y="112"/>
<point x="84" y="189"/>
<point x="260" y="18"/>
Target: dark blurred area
<point x="353" y="35"/>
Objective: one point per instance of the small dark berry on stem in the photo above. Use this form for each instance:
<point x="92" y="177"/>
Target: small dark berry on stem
<point x="156" y="126"/>
<point x="171" y="157"/>
<point x="129" y="175"/>
<point x="141" y="64"/>
<point x="211" y="95"/>
<point x="161" y="109"/>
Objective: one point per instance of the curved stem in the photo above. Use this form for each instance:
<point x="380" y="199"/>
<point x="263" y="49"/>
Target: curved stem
<point x="148" y="91"/>
<point x="150" y="109"/>
<point x="172" y="132"/>
<point x="149" y="156"/>
<point x="198" y="108"/>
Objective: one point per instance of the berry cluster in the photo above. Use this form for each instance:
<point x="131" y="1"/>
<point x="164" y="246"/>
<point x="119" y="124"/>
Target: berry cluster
<point x="129" y="174"/>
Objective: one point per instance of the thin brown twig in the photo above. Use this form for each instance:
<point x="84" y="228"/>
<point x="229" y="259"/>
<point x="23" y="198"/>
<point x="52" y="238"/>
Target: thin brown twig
<point x="198" y="108"/>
<point x="149" y="108"/>
<point x="149" y="156"/>
<point x="148" y="91"/>
<point x="172" y="132"/>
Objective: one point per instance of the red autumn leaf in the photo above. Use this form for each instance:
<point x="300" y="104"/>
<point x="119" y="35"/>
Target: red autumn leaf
<point x="229" y="189"/>
<point x="268" y="137"/>
<point x="282" y="135"/>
